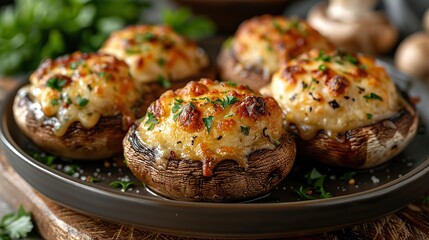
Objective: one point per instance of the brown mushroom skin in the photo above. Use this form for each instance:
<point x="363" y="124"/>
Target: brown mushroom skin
<point x="363" y="147"/>
<point x="230" y="69"/>
<point x="182" y="179"/>
<point x="77" y="143"/>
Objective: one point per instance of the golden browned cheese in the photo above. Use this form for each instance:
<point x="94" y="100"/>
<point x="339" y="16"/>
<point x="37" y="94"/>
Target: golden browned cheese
<point x="211" y="122"/>
<point x="156" y="53"/>
<point x="265" y="41"/>
<point x="82" y="87"/>
<point x="333" y="91"/>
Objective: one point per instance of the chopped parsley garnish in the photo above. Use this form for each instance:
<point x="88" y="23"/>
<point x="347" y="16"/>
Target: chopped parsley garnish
<point x="56" y="83"/>
<point x="322" y="67"/>
<point x="373" y="96"/>
<point x="55" y="102"/>
<point x="304" y="194"/>
<point x="315" y="181"/>
<point x="208" y="123"/>
<point x="177" y="105"/>
<point x="245" y="130"/>
<point x="279" y="28"/>
<point x="81" y="101"/>
<point x="123" y="185"/>
<point x="304" y="85"/>
<point x="228" y="116"/>
<point x="145" y="37"/>
<point x="151" y="120"/>
<point x="228" y="100"/>
<point x="48" y="160"/>
<point x="161" y="61"/>
<point x="89" y="87"/>
<point x="163" y="81"/>
<point x="16" y="225"/>
<point x="75" y="65"/>
<point x="231" y="84"/>
<point x="369" y="116"/>
<point x="92" y="179"/>
<point x="69" y="101"/>
<point x="352" y="59"/>
<point x="277" y="142"/>
<point x="132" y="51"/>
<point x="322" y="57"/>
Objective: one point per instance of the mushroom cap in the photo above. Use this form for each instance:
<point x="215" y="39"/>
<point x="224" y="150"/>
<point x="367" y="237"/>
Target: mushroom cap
<point x="412" y="54"/>
<point x="207" y="133"/>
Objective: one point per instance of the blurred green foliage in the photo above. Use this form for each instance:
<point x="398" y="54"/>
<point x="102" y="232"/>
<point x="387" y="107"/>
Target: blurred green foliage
<point x="32" y="30"/>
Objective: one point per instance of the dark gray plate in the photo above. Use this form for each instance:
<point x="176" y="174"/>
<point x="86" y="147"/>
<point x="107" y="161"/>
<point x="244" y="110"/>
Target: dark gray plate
<point x="377" y="191"/>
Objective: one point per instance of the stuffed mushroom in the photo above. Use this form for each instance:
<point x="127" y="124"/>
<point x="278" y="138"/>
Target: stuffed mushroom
<point x="261" y="44"/>
<point x="79" y="106"/>
<point x="210" y="141"/>
<point x="344" y="108"/>
<point x="158" y="57"/>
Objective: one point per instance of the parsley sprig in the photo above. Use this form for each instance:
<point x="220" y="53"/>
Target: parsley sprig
<point x="16" y="225"/>
<point x="208" y="121"/>
<point x="151" y="121"/>
<point x="315" y="184"/>
<point x="56" y="83"/>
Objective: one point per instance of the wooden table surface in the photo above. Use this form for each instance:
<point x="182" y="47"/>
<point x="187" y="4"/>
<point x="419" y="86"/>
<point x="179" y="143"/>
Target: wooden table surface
<point x="54" y="221"/>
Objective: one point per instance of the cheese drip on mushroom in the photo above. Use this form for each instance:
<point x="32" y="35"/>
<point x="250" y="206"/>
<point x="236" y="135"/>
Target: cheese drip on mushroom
<point x="334" y="92"/>
<point x="82" y="87"/>
<point x="211" y="122"/>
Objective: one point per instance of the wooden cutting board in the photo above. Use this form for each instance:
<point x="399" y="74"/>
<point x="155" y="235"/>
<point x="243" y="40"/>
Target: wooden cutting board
<point x="54" y="221"/>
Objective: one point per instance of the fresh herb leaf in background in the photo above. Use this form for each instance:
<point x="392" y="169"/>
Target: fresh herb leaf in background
<point x="44" y="158"/>
<point x="184" y="22"/>
<point x="31" y="31"/>
<point x="16" y="225"/>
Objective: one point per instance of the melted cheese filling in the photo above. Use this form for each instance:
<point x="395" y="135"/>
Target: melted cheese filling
<point x="156" y="53"/>
<point x="93" y="90"/>
<point x="265" y="41"/>
<point x="230" y="135"/>
<point x="311" y="106"/>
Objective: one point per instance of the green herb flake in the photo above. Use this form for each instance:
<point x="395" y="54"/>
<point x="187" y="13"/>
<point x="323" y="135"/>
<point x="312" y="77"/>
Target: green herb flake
<point x="279" y="28"/>
<point x="163" y="81"/>
<point x="92" y="179"/>
<point x="89" y="87"/>
<point x="322" y="67"/>
<point x="208" y="121"/>
<point x="44" y="158"/>
<point x="245" y="130"/>
<point x="228" y="116"/>
<point x="55" y="102"/>
<point x="369" y="116"/>
<point x="177" y="105"/>
<point x="322" y="57"/>
<point x="315" y="181"/>
<point x="123" y="185"/>
<point x="16" y="225"/>
<point x="148" y="36"/>
<point x="161" y="61"/>
<point x="56" y="83"/>
<point x="303" y="194"/>
<point x="352" y="59"/>
<point x="277" y="142"/>
<point x="75" y="65"/>
<point x="132" y="51"/>
<point x="69" y="101"/>
<point x="151" y="120"/>
<point x="228" y="100"/>
<point x="231" y="84"/>
<point x="81" y="101"/>
<point x="373" y="96"/>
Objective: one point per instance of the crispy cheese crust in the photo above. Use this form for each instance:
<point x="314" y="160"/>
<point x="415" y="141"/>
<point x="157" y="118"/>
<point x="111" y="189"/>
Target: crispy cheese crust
<point x="82" y="88"/>
<point x="156" y="53"/>
<point x="263" y="42"/>
<point x="333" y="91"/>
<point x="211" y="122"/>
